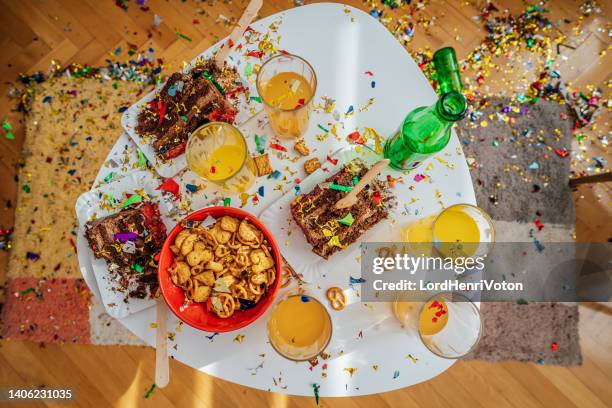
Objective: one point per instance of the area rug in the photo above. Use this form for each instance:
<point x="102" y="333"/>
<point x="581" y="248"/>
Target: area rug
<point x="73" y="123"/>
<point x="519" y="157"/>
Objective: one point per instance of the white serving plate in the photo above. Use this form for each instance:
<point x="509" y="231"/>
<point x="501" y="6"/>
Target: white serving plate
<point x="88" y="205"/>
<point x="298" y="252"/>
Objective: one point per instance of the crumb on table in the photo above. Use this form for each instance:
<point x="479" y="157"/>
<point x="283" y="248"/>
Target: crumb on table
<point x="311" y="165"/>
<point x="263" y="165"/>
<point x="301" y="148"/>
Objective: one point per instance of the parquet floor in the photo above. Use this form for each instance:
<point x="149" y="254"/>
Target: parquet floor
<point x="35" y="31"/>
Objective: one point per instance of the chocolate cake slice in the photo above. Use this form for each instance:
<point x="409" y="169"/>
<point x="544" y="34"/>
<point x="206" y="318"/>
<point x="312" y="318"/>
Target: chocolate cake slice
<point x="330" y="230"/>
<point x="186" y="102"/>
<point x="129" y="241"/>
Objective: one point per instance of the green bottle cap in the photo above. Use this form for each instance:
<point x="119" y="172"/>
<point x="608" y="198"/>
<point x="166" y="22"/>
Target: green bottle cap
<point x="447" y="71"/>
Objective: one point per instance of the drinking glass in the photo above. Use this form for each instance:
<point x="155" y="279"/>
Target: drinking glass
<point x="461" y="230"/>
<point x="462" y="330"/>
<point x="217" y="152"/>
<point x="300" y="327"/>
<point x="287" y="121"/>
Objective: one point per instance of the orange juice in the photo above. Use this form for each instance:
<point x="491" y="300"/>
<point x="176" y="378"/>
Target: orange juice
<point x="287" y="90"/>
<point x="299" y="328"/>
<point x="217" y="152"/>
<point x="287" y="84"/>
<point x="454" y="232"/>
<point x="455" y="225"/>
<point x="433" y="317"/>
<point x="286" y="95"/>
<point x="406" y="312"/>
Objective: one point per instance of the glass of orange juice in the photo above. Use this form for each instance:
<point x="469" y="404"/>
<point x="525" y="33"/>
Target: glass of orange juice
<point x="461" y="230"/>
<point x="300" y="327"/>
<point x="217" y="152"/>
<point x="449" y="325"/>
<point x="287" y="85"/>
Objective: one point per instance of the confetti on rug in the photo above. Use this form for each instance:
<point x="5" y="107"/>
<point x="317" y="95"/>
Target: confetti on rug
<point x="71" y="124"/>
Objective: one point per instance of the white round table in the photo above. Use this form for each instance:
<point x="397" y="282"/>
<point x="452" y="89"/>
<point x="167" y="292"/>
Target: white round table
<point x="342" y="43"/>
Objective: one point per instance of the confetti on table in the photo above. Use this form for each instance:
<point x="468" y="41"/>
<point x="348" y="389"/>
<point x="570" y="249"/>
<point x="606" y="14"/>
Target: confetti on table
<point x="356" y="280"/>
<point x="227" y="201"/>
<point x="260" y="143"/>
<point x="278" y="147"/>
<point x="239" y="338"/>
<point x="192" y="188"/>
<point x="393" y="181"/>
<point x="248" y="69"/>
<point x="142" y="160"/>
<point x="396" y="374"/>
<point x="133" y="199"/>
<point x="256" y="54"/>
<point x="170" y="186"/>
<point x="315" y="389"/>
<point x="412" y="358"/>
<point x="350" y="370"/>
<point x="212" y="336"/>
<point x="332" y="161"/>
<point x="419" y="177"/>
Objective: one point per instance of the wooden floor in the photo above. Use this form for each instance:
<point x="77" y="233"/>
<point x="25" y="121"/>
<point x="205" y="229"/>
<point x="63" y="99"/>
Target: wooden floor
<point x="85" y="31"/>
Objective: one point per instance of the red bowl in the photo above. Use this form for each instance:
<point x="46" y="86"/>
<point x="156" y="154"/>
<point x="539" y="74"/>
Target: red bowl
<point x="196" y="314"/>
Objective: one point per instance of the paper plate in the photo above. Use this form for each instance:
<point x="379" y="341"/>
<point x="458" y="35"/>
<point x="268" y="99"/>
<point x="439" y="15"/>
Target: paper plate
<point x="129" y="120"/>
<point x="88" y="206"/>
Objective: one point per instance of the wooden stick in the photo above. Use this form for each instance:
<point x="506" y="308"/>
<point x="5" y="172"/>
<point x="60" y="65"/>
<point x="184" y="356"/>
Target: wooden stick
<point x="162" y="371"/>
<point x="593" y="178"/>
<point x="249" y="14"/>
<point x="350" y="199"/>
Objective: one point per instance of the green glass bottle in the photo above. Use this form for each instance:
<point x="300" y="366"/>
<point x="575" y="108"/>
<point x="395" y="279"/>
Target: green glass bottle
<point x="425" y="131"/>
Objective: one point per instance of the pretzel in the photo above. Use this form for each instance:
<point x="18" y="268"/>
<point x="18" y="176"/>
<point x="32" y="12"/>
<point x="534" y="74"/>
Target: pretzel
<point x="227" y="305"/>
<point x="287" y="276"/>
<point x="336" y="297"/>
<point x="385" y="252"/>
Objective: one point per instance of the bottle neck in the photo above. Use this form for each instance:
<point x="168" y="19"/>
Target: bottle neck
<point x="451" y="107"/>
